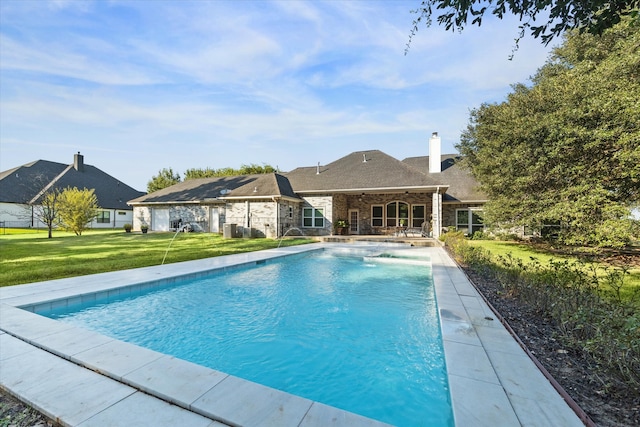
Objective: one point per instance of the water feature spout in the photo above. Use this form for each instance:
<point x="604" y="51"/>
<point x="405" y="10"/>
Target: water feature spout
<point x="167" y="251"/>
<point x="287" y="232"/>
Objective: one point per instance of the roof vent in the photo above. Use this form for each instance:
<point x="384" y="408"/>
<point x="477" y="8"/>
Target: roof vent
<point x="318" y="169"/>
<point x="255" y="189"/>
<point x="364" y="158"/>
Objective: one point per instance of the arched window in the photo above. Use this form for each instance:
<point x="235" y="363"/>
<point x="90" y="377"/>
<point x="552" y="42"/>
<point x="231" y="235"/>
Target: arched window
<point x="397" y="214"/>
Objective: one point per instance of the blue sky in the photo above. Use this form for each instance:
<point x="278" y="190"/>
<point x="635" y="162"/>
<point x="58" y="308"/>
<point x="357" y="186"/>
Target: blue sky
<point x="137" y="86"/>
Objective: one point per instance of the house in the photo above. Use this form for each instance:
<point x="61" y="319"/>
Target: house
<point x="255" y="203"/>
<point x="374" y="192"/>
<point x="22" y="187"/>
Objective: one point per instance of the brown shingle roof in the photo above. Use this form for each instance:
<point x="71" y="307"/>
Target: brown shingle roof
<point x="266" y="185"/>
<point x="198" y="190"/>
<point x="463" y="187"/>
<point x="358" y="171"/>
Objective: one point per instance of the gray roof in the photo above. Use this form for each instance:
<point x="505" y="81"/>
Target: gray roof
<point x="221" y="188"/>
<point x="264" y="185"/>
<point x="370" y="170"/>
<point x="463" y="187"/>
<point x="24" y="183"/>
<point x="362" y="171"/>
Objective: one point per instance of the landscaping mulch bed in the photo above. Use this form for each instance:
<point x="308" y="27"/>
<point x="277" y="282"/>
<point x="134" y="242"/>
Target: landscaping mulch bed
<point x="14" y="413"/>
<point x="604" y="399"/>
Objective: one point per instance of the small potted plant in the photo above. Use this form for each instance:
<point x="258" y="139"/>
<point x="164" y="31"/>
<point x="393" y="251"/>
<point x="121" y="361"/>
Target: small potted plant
<point x="144" y="228"/>
<point x="127" y="228"/>
<point x="342" y="226"/>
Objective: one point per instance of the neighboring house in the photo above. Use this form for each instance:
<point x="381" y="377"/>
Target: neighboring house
<point x="21" y="189"/>
<point x="374" y="192"/>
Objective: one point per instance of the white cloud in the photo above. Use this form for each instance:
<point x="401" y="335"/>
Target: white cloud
<point x="280" y="82"/>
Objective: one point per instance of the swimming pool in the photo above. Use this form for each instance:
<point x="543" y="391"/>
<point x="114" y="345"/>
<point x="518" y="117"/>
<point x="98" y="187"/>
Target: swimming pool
<point x="362" y="336"/>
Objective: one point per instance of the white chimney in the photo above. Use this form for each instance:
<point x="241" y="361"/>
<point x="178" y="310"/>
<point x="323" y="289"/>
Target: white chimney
<point x="435" y="152"/>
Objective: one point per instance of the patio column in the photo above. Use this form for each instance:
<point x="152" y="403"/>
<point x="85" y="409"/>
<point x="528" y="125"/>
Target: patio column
<point x="436" y="214"/>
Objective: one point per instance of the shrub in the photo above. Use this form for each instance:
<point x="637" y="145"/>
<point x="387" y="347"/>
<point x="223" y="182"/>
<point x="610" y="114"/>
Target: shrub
<point x="588" y="307"/>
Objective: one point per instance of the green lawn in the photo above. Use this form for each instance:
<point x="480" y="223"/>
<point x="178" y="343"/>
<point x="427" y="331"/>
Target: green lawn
<point x="527" y="253"/>
<point x="32" y="257"/>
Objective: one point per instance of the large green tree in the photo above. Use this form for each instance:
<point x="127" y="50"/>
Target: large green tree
<point x="77" y="208"/>
<point x="165" y="178"/>
<point x="243" y="170"/>
<point x="546" y="19"/>
<point x="566" y="149"/>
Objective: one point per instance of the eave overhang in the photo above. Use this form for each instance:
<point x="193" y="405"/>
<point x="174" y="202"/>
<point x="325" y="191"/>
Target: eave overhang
<point x="378" y="190"/>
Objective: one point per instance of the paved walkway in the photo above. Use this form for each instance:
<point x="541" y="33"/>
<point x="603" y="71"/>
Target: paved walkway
<point x="81" y="378"/>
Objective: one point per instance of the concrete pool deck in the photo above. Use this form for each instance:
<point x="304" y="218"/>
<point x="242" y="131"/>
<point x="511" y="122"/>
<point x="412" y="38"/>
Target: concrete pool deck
<point x="81" y="378"/>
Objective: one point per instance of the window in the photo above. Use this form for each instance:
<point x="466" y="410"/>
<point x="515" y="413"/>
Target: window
<point x="290" y="211"/>
<point x="377" y="218"/>
<point x="469" y="221"/>
<point x="121" y="213"/>
<point x="397" y="214"/>
<point x="312" y="217"/>
<point x="418" y="215"/>
<point x="103" y="217"/>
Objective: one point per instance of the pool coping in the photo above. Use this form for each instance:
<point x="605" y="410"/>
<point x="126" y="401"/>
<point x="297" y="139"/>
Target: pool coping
<point x="79" y="377"/>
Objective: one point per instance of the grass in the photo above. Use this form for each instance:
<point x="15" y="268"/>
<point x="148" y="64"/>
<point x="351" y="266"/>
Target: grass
<point x="529" y="253"/>
<point x="32" y="257"/>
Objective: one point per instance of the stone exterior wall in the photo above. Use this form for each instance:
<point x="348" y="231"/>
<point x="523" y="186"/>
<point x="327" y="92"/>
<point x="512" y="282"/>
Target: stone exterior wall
<point x="326" y="203"/>
<point x="267" y="218"/>
<point x="364" y="202"/>
<point x="141" y="215"/>
<point x="199" y="214"/>
<point x="290" y="216"/>
<point x="255" y="218"/>
<point x="449" y="213"/>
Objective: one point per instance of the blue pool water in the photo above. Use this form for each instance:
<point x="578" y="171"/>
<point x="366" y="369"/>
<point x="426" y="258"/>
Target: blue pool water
<point x="352" y="333"/>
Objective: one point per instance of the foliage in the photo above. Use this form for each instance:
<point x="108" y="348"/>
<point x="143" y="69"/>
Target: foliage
<point x="77" y="208"/>
<point x="127" y="227"/>
<point x="567" y="149"/>
<point x="43" y="207"/>
<point x="14" y="413"/>
<point x="47" y="210"/>
<point x="589" y="308"/>
<point x="552" y="18"/>
<point x="341" y="223"/>
<point x="250" y="169"/>
<point x="164" y="179"/>
<point x="30" y="258"/>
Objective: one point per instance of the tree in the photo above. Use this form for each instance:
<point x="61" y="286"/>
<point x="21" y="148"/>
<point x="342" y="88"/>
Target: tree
<point x="43" y="206"/>
<point x="567" y="148"/>
<point x="555" y="16"/>
<point x="165" y="178"/>
<point x="47" y="211"/>
<point x="244" y="170"/>
<point x="77" y="208"/>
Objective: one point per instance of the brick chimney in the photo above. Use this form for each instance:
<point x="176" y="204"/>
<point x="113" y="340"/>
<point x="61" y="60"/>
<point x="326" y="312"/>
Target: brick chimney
<point x="435" y="152"/>
<point x="78" y="162"/>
